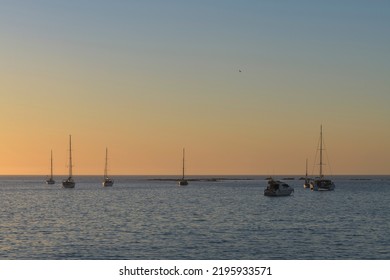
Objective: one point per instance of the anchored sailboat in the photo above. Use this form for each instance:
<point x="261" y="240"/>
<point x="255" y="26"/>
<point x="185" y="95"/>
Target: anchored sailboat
<point x="107" y="182"/>
<point x="50" y="180"/>
<point x="320" y="183"/>
<point x="69" y="183"/>
<point x="307" y="180"/>
<point x="182" y="181"/>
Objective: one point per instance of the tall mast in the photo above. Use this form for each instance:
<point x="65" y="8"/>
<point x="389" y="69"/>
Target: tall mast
<point x="51" y="163"/>
<point x="183" y="161"/>
<point x="306" y="168"/>
<point x="321" y="153"/>
<point x="105" y="166"/>
<point x="70" y="155"/>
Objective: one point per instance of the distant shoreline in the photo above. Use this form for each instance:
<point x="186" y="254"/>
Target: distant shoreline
<point x="207" y="178"/>
<point x="202" y="179"/>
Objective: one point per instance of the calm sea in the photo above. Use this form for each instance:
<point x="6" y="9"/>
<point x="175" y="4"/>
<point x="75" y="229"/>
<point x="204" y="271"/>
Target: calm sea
<point x="139" y="218"/>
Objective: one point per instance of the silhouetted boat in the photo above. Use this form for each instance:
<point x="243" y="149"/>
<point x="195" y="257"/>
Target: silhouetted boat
<point x="182" y="181"/>
<point x="320" y="183"/>
<point x="69" y="182"/>
<point x="277" y="188"/>
<point x="50" y="180"/>
<point x="107" y="182"/>
<point x="307" y="179"/>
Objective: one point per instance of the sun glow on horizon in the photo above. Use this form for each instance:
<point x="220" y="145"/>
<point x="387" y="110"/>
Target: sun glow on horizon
<point x="244" y="90"/>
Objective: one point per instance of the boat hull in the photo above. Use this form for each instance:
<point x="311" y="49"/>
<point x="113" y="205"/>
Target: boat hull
<point x="322" y="185"/>
<point x="108" y="183"/>
<point x="278" y="192"/>
<point x="68" y="183"/>
<point x="278" y="188"/>
<point x="50" y="182"/>
<point x="183" y="183"/>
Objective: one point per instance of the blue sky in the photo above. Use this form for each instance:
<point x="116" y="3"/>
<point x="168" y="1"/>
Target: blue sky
<point x="165" y="65"/>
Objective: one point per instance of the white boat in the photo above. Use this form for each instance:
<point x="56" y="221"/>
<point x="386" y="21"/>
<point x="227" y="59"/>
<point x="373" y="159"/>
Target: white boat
<point x="107" y="181"/>
<point x="306" y="185"/>
<point x="69" y="182"/>
<point x="182" y="181"/>
<point x="277" y="188"/>
<point x="50" y="180"/>
<point x="320" y="183"/>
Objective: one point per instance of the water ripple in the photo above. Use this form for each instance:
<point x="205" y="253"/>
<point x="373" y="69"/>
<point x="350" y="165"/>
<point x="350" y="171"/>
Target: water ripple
<point x="140" y="219"/>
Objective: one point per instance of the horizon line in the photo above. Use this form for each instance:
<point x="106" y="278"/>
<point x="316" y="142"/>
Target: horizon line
<point x="193" y="175"/>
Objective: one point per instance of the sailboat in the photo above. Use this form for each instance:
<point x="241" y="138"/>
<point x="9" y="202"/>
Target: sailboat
<point x="69" y="183"/>
<point x="182" y="181"/>
<point x="307" y="180"/>
<point x="107" y="182"/>
<point x="320" y="183"/>
<point x="50" y="180"/>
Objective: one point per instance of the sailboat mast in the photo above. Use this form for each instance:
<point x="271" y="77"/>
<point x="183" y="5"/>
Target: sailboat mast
<point x="51" y="164"/>
<point x="321" y="153"/>
<point x="306" y="169"/>
<point x="183" y="161"/>
<point x="70" y="155"/>
<point x="105" y="166"/>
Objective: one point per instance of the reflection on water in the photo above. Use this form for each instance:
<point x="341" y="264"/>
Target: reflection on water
<point x="143" y="219"/>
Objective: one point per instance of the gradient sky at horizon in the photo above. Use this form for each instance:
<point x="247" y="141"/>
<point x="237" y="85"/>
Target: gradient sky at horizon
<point x="147" y="78"/>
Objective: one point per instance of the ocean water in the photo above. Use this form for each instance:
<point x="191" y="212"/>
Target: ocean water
<point x="139" y="218"/>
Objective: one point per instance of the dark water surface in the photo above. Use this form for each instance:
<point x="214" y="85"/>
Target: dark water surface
<point x="232" y="219"/>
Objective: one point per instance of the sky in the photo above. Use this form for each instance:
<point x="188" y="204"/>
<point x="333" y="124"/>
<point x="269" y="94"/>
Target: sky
<point x="243" y="85"/>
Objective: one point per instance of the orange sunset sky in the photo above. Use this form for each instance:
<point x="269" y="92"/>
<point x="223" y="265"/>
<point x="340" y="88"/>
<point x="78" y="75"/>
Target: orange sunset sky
<point x="243" y="85"/>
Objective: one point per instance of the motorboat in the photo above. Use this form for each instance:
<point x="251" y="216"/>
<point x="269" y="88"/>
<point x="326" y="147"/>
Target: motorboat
<point x="278" y="188"/>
